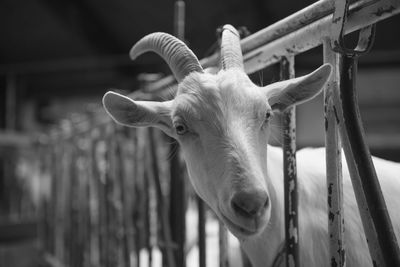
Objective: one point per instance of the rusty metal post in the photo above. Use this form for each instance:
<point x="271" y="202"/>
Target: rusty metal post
<point x="290" y="173"/>
<point x="334" y="179"/>
<point x="378" y="228"/>
<point x="201" y="232"/>
<point x="379" y="231"/>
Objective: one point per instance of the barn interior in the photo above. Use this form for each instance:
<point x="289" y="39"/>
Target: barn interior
<point x="58" y="58"/>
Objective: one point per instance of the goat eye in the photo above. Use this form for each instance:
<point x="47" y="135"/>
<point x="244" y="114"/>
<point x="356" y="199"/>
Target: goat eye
<point x="268" y="115"/>
<point x="181" y="128"/>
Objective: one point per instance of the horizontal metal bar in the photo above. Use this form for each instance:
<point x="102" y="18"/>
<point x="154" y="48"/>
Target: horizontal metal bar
<point x="267" y="47"/>
<point x="12" y="138"/>
<point x="312" y="35"/>
<point x="290" y="37"/>
<point x="268" y="34"/>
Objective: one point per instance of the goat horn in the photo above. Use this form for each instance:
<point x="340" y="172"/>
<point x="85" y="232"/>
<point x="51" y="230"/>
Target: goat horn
<point x="179" y="57"/>
<point x="231" y="52"/>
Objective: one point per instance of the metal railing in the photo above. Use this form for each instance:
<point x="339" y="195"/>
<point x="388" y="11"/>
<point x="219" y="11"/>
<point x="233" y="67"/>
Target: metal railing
<point x="98" y="217"/>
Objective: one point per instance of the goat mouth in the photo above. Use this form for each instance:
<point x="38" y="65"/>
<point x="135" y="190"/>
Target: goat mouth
<point x="235" y="228"/>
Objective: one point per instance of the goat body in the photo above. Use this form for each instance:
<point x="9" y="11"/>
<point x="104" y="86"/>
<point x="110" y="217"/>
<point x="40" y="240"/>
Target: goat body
<point x="222" y="123"/>
<point x="313" y="215"/>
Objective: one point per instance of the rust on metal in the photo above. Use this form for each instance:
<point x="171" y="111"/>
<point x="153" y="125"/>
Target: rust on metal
<point x="290" y="173"/>
<point x="334" y="177"/>
<point x="378" y="228"/>
<point x="366" y="35"/>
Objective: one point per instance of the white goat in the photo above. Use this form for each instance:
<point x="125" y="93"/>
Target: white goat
<point x="222" y="123"/>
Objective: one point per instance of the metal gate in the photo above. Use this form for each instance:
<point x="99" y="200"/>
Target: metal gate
<point x="112" y="195"/>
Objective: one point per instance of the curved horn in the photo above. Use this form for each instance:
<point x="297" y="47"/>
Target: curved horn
<point x="231" y="52"/>
<point x="179" y="57"/>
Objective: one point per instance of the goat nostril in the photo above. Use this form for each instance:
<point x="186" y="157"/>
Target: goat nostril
<point x="266" y="203"/>
<point x="249" y="204"/>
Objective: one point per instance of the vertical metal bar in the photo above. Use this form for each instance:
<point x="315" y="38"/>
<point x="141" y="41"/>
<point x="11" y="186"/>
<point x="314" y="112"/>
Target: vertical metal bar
<point x="123" y="211"/>
<point x="86" y="194"/>
<point x="55" y="234"/>
<point x="223" y="246"/>
<point x="290" y="173"/>
<point x="161" y="206"/>
<point x="177" y="191"/>
<point x="179" y="19"/>
<point x="95" y="258"/>
<point x="147" y="215"/>
<point x="100" y="150"/>
<point x="333" y="154"/>
<point x="202" y="232"/>
<point x="379" y="231"/>
<point x="138" y="197"/>
<point x="112" y="202"/>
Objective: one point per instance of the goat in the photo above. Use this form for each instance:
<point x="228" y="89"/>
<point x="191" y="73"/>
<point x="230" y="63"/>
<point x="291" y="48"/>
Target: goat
<point x="222" y="123"/>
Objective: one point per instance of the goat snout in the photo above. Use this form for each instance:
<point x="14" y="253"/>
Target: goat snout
<point x="250" y="204"/>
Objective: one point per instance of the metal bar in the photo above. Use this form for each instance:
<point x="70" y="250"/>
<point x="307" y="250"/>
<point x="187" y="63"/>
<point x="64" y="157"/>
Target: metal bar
<point x="334" y="179"/>
<point x="382" y="242"/>
<point x="111" y="200"/>
<point x="223" y="246"/>
<point x="138" y="193"/>
<point x="179" y="19"/>
<point x="202" y="232"/>
<point x="312" y="35"/>
<point x="294" y="40"/>
<point x="147" y="221"/>
<point x="54" y="207"/>
<point x="366" y="36"/>
<point x="290" y="173"/>
<point x="121" y="141"/>
<point x="100" y="156"/>
<point x="161" y="206"/>
<point x="297" y="33"/>
<point x="177" y="210"/>
<point x="94" y="203"/>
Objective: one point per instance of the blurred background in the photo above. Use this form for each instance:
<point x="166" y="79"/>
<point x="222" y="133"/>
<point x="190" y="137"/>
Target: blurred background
<point x="59" y="57"/>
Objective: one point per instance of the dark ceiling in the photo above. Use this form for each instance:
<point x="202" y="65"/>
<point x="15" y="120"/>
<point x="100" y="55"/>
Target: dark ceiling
<point x="39" y="30"/>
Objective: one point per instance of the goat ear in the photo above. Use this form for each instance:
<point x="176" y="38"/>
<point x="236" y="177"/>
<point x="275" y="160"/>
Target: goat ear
<point x="284" y="94"/>
<point x="132" y="113"/>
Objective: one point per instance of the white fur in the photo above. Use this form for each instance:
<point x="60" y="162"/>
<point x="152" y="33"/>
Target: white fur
<point x="226" y="152"/>
<point x="313" y="218"/>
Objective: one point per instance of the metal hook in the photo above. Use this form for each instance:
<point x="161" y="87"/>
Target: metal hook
<point x="366" y="35"/>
